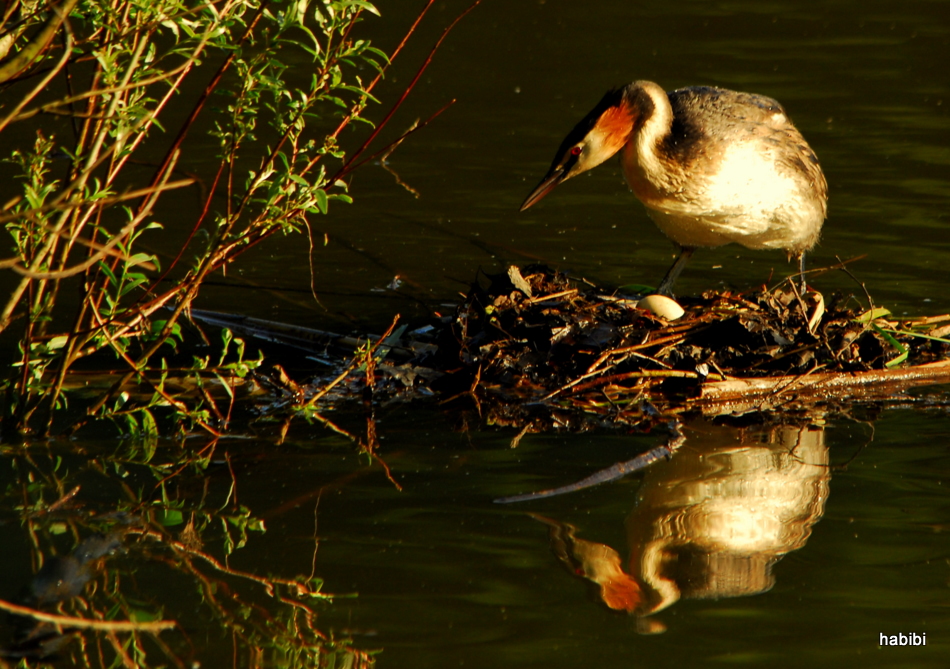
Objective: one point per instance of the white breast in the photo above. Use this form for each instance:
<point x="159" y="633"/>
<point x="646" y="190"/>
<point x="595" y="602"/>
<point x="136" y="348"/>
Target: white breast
<point x="748" y="200"/>
<point x="748" y="184"/>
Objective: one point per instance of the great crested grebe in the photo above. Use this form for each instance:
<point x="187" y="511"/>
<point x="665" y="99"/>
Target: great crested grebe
<point x="712" y="166"/>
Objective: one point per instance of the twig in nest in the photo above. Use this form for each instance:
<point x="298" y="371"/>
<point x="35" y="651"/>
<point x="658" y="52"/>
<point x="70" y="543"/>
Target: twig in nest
<point x="844" y="269"/>
<point x="517" y="438"/>
<point x="352" y="366"/>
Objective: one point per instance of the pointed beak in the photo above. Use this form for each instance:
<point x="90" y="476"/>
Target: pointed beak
<point x="554" y="177"/>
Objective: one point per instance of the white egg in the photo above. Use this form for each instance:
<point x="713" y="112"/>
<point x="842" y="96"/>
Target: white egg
<point x="661" y="306"/>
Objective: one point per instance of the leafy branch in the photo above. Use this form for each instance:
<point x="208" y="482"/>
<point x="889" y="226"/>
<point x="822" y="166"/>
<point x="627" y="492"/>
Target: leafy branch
<point x="84" y="218"/>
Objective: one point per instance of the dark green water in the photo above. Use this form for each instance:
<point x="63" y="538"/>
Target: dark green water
<point x="865" y="82"/>
<point x="445" y="577"/>
<point x="448" y="579"/>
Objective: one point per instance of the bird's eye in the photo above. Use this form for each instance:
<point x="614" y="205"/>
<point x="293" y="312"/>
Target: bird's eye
<point x="576" y="150"/>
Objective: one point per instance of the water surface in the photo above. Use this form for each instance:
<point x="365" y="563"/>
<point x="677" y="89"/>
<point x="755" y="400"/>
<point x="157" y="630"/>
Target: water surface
<point x="863" y="81"/>
<point x="445" y="577"/>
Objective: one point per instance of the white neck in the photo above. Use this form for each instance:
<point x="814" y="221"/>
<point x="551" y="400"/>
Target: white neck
<point x="652" y="130"/>
<point x="649" y="178"/>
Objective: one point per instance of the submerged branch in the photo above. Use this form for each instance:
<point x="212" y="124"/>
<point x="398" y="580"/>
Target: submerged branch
<point x="611" y="473"/>
<point x="86" y="623"/>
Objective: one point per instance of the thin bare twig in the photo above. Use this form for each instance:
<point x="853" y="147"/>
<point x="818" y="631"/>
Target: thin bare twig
<point x="389" y="148"/>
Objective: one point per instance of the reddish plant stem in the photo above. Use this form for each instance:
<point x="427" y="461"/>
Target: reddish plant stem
<point x="191" y="235"/>
<point x="199" y="105"/>
<point x="399" y="139"/>
<point x="425" y="64"/>
<point x="349" y="117"/>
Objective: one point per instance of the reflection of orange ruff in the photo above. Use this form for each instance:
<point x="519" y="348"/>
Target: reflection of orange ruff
<point x="596" y="562"/>
<point x="711" y="523"/>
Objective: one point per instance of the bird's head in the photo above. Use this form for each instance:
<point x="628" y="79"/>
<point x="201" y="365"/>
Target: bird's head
<point x="598" y="136"/>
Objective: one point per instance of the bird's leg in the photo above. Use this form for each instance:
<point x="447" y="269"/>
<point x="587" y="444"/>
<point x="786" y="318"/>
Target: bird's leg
<point x="801" y="271"/>
<point x="666" y="285"/>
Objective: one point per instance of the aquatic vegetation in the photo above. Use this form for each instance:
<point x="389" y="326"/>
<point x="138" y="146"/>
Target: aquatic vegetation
<point x="112" y="111"/>
<point x="132" y="555"/>
<point x="89" y="199"/>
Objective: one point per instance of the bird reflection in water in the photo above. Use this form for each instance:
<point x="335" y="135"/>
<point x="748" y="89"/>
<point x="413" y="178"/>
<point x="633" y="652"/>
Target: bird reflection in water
<point x="709" y="523"/>
<point x="62" y="578"/>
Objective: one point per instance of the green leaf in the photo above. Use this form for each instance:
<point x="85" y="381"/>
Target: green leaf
<point x="919" y="335"/>
<point x="362" y="4"/>
<point x="902" y="350"/>
<point x="143" y="616"/>
<point x="321" y="197"/>
<point x="872" y="315"/>
<point x="57" y="342"/>
<point x="169" y="517"/>
<point x="226" y="337"/>
<point x="104" y="268"/>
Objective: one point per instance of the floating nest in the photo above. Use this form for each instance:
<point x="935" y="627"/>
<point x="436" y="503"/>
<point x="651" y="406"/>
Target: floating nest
<point x="537" y="350"/>
<point x="537" y="342"/>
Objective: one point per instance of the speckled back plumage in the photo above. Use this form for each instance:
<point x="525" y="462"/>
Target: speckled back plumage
<point x="701" y="111"/>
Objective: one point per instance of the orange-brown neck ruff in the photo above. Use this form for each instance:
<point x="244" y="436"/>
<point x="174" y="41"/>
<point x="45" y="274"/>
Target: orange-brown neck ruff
<point x="608" y="106"/>
<point x="615" y="125"/>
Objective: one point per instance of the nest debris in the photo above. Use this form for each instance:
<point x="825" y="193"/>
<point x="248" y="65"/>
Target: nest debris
<point x="537" y="339"/>
<point x="538" y="350"/>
